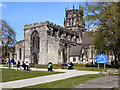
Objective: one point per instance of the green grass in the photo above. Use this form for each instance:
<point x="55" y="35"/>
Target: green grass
<point x="78" y="67"/>
<point x="10" y="74"/>
<point x="94" y="68"/>
<point x="67" y="83"/>
<point x="45" y="66"/>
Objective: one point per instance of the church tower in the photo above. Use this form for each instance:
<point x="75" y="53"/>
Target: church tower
<point x="74" y="20"/>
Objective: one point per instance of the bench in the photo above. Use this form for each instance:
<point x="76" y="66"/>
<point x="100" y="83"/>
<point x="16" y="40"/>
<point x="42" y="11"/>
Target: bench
<point x="22" y="67"/>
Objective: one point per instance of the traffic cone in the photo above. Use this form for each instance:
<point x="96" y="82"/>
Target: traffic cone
<point x="102" y="70"/>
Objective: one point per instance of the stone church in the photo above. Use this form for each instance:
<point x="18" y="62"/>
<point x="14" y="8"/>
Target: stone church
<point x="48" y="42"/>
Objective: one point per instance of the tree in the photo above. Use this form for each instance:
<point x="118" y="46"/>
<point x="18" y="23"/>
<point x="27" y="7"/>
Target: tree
<point x="7" y="38"/>
<point x="107" y="36"/>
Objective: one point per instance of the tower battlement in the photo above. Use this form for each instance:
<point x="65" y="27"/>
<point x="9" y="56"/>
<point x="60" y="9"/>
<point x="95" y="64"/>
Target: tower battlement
<point x="74" y="19"/>
<point x="46" y="23"/>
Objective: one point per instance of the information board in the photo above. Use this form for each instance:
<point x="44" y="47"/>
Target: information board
<point x="101" y="58"/>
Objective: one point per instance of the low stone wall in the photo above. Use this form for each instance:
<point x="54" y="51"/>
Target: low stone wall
<point x="112" y="72"/>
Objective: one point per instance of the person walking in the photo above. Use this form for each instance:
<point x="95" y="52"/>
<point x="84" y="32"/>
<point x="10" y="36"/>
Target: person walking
<point x="12" y="63"/>
<point x="24" y="65"/>
<point x="8" y="62"/>
<point x="50" y="66"/>
<point x="71" y="65"/>
<point x="18" y="64"/>
<point x="21" y="64"/>
<point x="27" y="66"/>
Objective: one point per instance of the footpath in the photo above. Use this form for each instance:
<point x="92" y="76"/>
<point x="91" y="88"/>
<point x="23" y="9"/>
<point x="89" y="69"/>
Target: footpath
<point x="108" y="81"/>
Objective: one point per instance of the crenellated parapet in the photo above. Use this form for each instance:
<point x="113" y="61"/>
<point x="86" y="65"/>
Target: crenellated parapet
<point x="56" y="31"/>
<point x="46" y="23"/>
<point x="35" y="25"/>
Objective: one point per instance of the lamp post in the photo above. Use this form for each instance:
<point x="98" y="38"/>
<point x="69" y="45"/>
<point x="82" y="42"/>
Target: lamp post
<point x="92" y="56"/>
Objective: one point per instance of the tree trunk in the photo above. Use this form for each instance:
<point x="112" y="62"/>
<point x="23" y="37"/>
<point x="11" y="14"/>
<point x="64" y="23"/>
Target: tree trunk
<point x="116" y="61"/>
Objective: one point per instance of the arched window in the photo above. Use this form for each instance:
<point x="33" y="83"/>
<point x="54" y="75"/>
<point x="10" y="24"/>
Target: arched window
<point x="20" y="54"/>
<point x="35" y="41"/>
<point x="74" y="59"/>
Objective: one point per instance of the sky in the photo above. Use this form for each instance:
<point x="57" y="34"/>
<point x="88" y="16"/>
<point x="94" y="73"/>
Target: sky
<point x="18" y="14"/>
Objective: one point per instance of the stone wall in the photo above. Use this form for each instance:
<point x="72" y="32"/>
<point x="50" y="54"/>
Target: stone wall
<point x="27" y="38"/>
<point x="53" y="50"/>
<point x="17" y="51"/>
<point x="42" y="55"/>
<point x="43" y="45"/>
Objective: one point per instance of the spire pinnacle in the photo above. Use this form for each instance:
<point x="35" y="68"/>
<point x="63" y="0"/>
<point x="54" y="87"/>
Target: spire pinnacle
<point x="82" y="8"/>
<point x="67" y="7"/>
<point x="79" y="7"/>
<point x="73" y="6"/>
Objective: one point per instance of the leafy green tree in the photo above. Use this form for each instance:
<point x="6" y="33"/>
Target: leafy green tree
<point x="107" y="37"/>
<point x="7" y="38"/>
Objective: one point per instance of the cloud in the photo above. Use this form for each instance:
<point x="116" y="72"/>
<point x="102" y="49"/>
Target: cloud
<point x="3" y="5"/>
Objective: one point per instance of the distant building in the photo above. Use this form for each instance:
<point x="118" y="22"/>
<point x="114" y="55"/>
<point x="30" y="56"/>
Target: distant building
<point x="45" y="42"/>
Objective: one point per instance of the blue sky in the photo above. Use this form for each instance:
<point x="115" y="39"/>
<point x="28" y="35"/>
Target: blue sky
<point x="18" y="14"/>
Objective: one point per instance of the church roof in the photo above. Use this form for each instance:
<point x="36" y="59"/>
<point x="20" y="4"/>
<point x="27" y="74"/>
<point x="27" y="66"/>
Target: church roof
<point x="20" y="41"/>
<point x="87" y="40"/>
<point x="75" y="50"/>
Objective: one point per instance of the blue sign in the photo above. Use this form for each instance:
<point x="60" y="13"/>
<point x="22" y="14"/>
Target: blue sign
<point x="101" y="58"/>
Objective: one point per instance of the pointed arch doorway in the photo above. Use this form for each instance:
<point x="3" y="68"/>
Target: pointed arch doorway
<point x="35" y="59"/>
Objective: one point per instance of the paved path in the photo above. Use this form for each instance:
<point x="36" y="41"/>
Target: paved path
<point x="45" y="79"/>
<point x="108" y="81"/>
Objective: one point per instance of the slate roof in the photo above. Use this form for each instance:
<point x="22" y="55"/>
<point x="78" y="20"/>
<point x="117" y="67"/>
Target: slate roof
<point x="76" y="50"/>
<point x="20" y="41"/>
<point x="87" y="40"/>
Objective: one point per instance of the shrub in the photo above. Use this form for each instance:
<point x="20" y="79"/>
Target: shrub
<point x="57" y="64"/>
<point x="80" y="65"/>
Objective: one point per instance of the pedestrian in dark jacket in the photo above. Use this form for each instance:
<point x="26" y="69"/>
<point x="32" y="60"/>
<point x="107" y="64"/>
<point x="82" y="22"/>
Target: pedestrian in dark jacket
<point x="12" y="62"/>
<point x="24" y="65"/>
<point x="18" y="64"/>
<point x="50" y="65"/>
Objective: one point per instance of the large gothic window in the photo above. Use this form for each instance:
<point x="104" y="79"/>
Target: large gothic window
<point x="20" y="54"/>
<point x="35" y="41"/>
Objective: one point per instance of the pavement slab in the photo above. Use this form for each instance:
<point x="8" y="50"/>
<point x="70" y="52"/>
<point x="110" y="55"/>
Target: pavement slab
<point x="108" y="81"/>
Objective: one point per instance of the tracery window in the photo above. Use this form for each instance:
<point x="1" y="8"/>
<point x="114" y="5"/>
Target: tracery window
<point x="35" y="41"/>
<point x="20" y="54"/>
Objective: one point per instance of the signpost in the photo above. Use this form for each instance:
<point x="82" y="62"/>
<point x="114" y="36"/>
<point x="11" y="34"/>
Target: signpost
<point x="101" y="58"/>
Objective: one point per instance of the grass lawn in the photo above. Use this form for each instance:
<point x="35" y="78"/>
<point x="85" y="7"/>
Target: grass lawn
<point x="94" y="68"/>
<point x="83" y="68"/>
<point x="10" y="74"/>
<point x="66" y="83"/>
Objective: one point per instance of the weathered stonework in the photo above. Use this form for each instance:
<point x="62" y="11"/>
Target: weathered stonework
<point x="48" y="42"/>
<point x="20" y="48"/>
